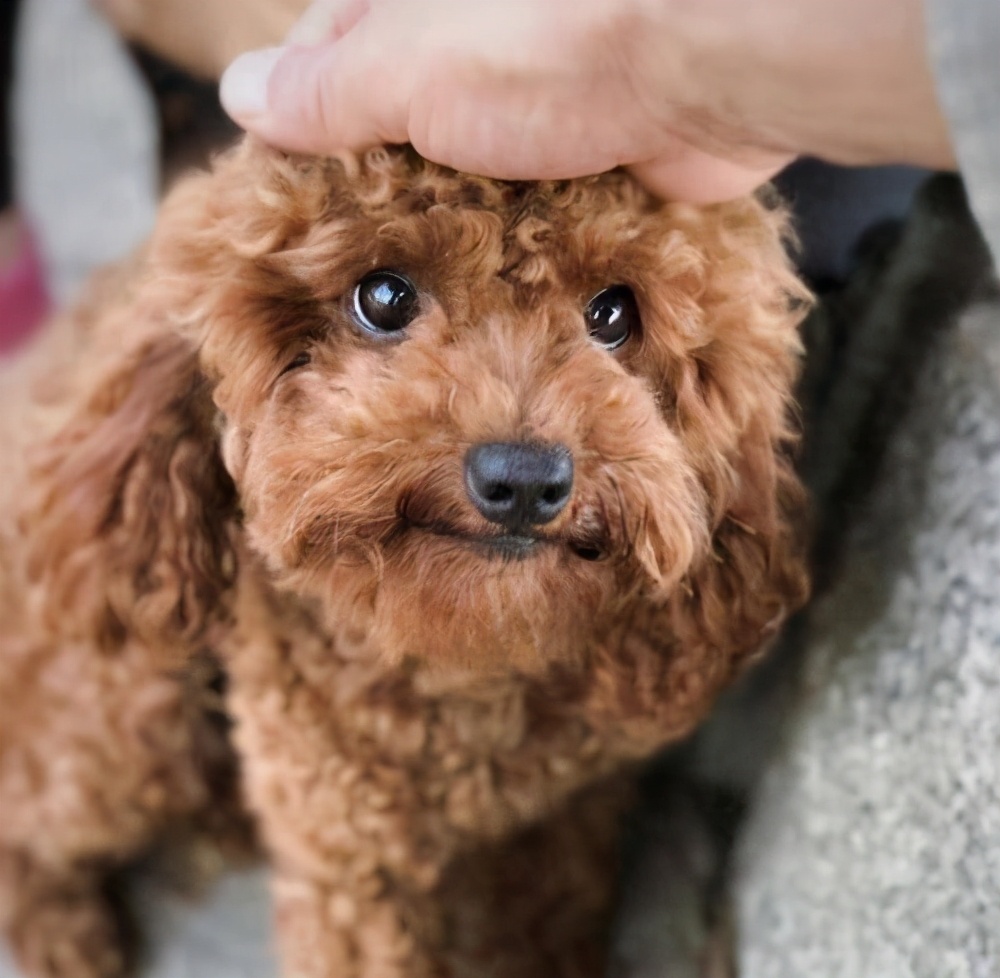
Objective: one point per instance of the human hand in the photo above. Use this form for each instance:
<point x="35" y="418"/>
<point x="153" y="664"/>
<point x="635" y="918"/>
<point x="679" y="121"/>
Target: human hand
<point x="703" y="99"/>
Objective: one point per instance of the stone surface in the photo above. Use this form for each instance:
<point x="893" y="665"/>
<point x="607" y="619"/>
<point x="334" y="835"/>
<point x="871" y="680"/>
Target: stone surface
<point x="872" y="851"/>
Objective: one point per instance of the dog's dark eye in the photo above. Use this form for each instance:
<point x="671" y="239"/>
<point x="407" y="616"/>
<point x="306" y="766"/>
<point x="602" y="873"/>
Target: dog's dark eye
<point x="385" y="302"/>
<point x="612" y="316"/>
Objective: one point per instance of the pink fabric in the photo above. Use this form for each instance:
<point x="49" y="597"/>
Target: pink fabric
<point x="24" y="298"/>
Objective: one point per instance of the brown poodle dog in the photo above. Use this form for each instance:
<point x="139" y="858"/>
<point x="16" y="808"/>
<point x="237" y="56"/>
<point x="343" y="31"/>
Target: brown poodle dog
<point x="474" y="493"/>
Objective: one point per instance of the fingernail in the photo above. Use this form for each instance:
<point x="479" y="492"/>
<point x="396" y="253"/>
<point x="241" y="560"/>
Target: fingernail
<point x="243" y="89"/>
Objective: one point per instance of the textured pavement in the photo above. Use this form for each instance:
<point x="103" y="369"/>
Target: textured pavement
<point x="873" y="849"/>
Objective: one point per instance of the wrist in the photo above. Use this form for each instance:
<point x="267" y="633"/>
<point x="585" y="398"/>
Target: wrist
<point x="846" y="80"/>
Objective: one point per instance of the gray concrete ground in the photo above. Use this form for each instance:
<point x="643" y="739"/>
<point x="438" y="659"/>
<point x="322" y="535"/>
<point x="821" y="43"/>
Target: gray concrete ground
<point x="873" y="850"/>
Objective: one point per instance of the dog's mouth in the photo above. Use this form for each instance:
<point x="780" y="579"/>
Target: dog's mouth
<point x="586" y="537"/>
<point x="514" y="545"/>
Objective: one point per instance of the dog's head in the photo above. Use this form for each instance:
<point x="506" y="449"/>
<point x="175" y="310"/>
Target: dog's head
<point x="482" y="424"/>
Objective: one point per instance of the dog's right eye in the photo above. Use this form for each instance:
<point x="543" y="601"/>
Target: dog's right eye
<point x="385" y="302"/>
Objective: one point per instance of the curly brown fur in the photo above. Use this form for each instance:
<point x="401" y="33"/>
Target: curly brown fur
<point x="408" y="698"/>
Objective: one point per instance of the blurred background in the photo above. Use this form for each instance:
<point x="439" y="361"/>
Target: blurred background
<point x="811" y="828"/>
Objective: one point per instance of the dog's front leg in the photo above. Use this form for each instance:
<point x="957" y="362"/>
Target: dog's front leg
<point x="394" y="858"/>
<point x="351" y="928"/>
<point x="354" y="867"/>
<point x="536" y="905"/>
<point x="98" y="753"/>
<point x="333" y="780"/>
<point x="388" y="814"/>
<point x="375" y="880"/>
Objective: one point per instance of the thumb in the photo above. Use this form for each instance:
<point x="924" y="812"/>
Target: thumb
<point x="320" y="99"/>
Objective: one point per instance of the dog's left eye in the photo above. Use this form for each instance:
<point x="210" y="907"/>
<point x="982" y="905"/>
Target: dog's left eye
<point x="385" y="302"/>
<point x="612" y="316"/>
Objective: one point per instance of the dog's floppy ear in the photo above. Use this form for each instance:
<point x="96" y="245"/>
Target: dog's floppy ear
<point x="660" y="679"/>
<point x="736" y="399"/>
<point x="130" y="507"/>
<point x="733" y="388"/>
<point x="755" y="574"/>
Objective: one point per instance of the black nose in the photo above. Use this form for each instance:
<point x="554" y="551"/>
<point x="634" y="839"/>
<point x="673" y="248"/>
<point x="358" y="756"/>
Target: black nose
<point x="518" y="484"/>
